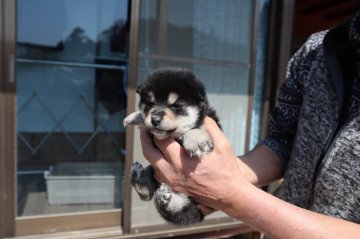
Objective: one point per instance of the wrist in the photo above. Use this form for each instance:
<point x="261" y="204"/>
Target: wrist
<point x="261" y="165"/>
<point x="246" y="171"/>
<point x="236" y="191"/>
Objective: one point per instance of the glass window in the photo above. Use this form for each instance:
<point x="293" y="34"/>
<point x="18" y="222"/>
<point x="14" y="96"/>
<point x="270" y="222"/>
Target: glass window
<point x="71" y="80"/>
<point x="73" y="30"/>
<point x="213" y="38"/>
<point x="259" y="86"/>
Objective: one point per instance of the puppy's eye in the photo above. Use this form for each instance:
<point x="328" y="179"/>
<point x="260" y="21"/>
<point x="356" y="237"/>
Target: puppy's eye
<point x="147" y="106"/>
<point x="176" y="107"/>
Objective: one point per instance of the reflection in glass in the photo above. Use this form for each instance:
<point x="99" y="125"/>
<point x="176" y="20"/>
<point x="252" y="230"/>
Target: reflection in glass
<point x="73" y="30"/>
<point x="204" y="29"/>
<point x="71" y="79"/>
<point x="212" y="38"/>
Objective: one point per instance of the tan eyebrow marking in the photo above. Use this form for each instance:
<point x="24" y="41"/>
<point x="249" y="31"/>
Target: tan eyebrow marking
<point x="172" y="98"/>
<point x="151" y="96"/>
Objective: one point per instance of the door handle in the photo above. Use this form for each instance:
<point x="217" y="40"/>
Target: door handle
<point x="11" y="73"/>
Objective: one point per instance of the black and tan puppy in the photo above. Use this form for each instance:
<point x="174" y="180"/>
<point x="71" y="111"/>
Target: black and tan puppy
<point x="173" y="103"/>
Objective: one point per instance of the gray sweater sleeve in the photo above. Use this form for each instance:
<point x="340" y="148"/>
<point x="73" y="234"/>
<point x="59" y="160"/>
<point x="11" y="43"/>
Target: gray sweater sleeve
<point x="283" y="120"/>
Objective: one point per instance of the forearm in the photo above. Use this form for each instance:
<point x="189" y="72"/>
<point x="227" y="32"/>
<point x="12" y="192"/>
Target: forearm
<point x="217" y="182"/>
<point x="261" y="166"/>
<point x="280" y="219"/>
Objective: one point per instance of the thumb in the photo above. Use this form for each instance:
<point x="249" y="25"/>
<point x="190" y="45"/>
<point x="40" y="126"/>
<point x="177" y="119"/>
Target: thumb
<point x="205" y="210"/>
<point x="172" y="151"/>
<point x="216" y="133"/>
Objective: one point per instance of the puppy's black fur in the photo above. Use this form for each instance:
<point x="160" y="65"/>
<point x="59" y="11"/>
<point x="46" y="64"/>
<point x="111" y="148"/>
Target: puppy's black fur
<point x="173" y="103"/>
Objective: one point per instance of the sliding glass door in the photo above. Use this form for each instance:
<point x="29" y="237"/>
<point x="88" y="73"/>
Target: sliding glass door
<point x="68" y="77"/>
<point x="216" y="39"/>
<point x="71" y="94"/>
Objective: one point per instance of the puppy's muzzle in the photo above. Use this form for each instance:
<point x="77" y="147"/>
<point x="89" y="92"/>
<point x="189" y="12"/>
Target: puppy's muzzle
<point x="156" y="118"/>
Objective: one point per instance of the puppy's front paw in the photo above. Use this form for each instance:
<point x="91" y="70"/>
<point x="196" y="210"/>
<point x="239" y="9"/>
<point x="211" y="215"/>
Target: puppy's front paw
<point x="134" y="118"/>
<point x="197" y="142"/>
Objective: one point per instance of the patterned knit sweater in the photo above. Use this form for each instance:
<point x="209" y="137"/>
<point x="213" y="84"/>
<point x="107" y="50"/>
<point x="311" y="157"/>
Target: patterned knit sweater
<point x="315" y="129"/>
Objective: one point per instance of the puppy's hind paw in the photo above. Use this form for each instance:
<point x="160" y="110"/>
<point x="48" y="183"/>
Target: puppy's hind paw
<point x="176" y="208"/>
<point x="137" y="171"/>
<point x="163" y="195"/>
<point x="141" y="182"/>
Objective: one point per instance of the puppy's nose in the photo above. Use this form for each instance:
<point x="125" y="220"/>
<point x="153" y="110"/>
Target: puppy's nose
<point x="156" y="120"/>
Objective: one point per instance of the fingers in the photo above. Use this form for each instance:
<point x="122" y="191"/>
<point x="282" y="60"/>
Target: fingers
<point x="151" y="152"/>
<point x="172" y="151"/>
<point x="175" y="154"/>
<point x="205" y="210"/>
<point x="164" y="171"/>
<point x="216" y="133"/>
<point x="213" y="129"/>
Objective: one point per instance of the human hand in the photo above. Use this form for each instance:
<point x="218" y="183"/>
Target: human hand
<point x="208" y="180"/>
<point x="217" y="181"/>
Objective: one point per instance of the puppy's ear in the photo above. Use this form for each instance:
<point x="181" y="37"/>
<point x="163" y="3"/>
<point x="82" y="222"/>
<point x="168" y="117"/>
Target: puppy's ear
<point x="138" y="89"/>
<point x="199" y="89"/>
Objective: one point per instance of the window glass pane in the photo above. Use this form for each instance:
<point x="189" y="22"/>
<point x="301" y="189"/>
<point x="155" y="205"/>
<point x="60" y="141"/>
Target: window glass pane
<point x="228" y="93"/>
<point x="258" y="99"/>
<point x="73" y="30"/>
<point x="208" y="29"/>
<point x="71" y="81"/>
<point x="214" y="39"/>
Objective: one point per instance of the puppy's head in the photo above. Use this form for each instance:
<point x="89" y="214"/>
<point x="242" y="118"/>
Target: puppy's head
<point x="172" y="101"/>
